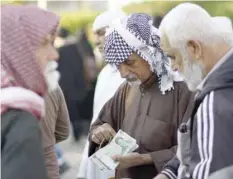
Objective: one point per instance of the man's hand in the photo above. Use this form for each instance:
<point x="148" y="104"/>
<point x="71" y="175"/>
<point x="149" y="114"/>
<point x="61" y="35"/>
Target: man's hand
<point x="132" y="159"/>
<point x="102" y="132"/>
<point x="161" y="176"/>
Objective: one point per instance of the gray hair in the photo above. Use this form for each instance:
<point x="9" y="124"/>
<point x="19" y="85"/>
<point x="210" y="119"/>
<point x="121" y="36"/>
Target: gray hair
<point x="189" y="21"/>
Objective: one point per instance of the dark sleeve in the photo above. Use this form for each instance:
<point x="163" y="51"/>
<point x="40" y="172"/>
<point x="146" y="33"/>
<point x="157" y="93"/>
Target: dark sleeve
<point x="161" y="157"/>
<point x="86" y="104"/>
<point x="22" y="153"/>
<point x="171" y="168"/>
<point x="112" y="113"/>
<point x="226" y="173"/>
<point x="185" y="103"/>
<point x="211" y="146"/>
<point x="62" y="128"/>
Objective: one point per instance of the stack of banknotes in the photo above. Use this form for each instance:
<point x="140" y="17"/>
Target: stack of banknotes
<point x="121" y="144"/>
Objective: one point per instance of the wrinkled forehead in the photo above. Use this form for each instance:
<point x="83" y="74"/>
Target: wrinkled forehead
<point x="166" y="45"/>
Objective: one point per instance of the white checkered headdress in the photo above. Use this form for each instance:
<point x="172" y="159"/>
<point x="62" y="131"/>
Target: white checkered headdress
<point x="136" y="34"/>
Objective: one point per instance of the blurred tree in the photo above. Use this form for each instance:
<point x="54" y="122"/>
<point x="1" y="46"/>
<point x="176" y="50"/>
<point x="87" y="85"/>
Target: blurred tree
<point x="74" y="21"/>
<point x="215" y="8"/>
<point x="12" y="2"/>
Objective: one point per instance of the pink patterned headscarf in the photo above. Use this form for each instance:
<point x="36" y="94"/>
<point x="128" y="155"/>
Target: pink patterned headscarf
<point x="23" y="29"/>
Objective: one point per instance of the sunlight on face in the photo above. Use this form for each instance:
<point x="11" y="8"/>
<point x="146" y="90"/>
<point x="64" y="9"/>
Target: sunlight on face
<point x="47" y="55"/>
<point x="181" y="61"/>
<point x="135" y="69"/>
<point x="100" y="39"/>
<point x="192" y="71"/>
<point x="46" y="52"/>
<point x="173" y="54"/>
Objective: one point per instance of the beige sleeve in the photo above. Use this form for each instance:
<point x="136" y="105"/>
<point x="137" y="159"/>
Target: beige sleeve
<point x="62" y="128"/>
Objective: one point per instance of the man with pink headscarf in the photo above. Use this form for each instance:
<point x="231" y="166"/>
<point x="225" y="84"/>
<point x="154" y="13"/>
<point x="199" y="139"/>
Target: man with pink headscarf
<point x="27" y="35"/>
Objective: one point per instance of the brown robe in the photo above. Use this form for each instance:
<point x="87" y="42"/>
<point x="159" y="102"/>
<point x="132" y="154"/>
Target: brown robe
<point x="54" y="128"/>
<point x="151" y="118"/>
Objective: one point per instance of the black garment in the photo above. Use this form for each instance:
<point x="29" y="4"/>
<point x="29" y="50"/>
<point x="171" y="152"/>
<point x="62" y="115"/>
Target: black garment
<point x="21" y="146"/>
<point x="84" y="44"/>
<point x="211" y="125"/>
<point x="86" y="105"/>
<point x="226" y="173"/>
<point x="79" y="99"/>
<point x="71" y="68"/>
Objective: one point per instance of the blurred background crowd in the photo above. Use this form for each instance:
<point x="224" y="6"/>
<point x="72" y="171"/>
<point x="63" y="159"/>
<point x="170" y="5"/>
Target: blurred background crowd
<point x="80" y="62"/>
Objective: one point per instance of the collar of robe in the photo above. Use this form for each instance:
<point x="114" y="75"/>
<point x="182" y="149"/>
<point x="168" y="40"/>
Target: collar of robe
<point x="148" y="83"/>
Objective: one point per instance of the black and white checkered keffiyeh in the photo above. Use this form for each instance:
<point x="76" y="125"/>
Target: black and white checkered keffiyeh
<point x="135" y="34"/>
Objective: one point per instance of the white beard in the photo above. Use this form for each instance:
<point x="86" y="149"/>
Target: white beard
<point x="135" y="83"/>
<point x="52" y="75"/>
<point x="193" y="73"/>
<point x="133" y="80"/>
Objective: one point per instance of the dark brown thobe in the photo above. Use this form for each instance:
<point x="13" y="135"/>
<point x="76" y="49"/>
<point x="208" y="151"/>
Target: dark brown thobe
<point x="151" y="118"/>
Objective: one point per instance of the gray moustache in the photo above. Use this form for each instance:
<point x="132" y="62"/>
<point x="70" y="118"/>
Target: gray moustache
<point x="131" y="79"/>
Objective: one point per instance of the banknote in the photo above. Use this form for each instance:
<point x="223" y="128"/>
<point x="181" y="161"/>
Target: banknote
<point x="98" y="162"/>
<point x="121" y="144"/>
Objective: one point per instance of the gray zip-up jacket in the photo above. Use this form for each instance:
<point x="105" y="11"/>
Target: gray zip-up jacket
<point x="21" y="146"/>
<point x="211" y="129"/>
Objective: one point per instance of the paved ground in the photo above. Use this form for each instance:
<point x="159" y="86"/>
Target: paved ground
<point x="72" y="152"/>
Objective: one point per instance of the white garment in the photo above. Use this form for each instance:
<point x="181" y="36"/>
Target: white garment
<point x="106" y="18"/>
<point x="108" y="82"/>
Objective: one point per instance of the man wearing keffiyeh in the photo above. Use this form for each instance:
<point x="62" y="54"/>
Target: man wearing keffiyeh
<point x="149" y="106"/>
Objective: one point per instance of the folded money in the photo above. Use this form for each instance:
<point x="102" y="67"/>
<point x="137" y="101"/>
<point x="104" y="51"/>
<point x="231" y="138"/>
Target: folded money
<point x="121" y="144"/>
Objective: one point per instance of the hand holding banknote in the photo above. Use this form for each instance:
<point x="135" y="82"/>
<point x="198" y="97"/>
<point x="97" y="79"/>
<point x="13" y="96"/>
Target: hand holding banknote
<point x="103" y="132"/>
<point x="121" y="145"/>
<point x="132" y="159"/>
<point x="128" y="160"/>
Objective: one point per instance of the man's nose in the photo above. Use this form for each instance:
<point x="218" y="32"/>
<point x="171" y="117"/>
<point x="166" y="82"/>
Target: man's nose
<point x="124" y="71"/>
<point x="97" y="41"/>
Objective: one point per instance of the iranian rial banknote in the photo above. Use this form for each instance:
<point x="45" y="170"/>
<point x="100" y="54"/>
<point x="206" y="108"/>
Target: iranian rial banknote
<point x="121" y="144"/>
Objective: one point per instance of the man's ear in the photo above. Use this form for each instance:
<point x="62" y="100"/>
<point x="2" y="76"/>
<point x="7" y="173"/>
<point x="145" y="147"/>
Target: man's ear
<point x="195" y="49"/>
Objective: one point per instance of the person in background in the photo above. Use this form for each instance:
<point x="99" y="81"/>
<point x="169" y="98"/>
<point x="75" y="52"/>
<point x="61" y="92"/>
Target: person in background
<point x="54" y="128"/>
<point x="27" y="35"/>
<point x="149" y="106"/>
<point x="202" y="52"/>
<point x="90" y="76"/>
<point x="62" y="37"/>
<point x="76" y="83"/>
<point x="99" y="28"/>
<point x="108" y="82"/>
